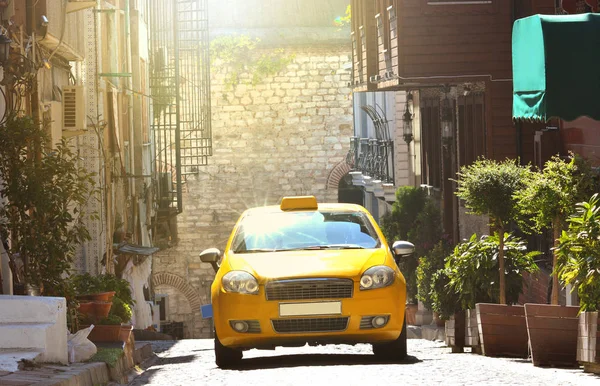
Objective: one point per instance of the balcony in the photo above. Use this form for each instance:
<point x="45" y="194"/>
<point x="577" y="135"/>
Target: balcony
<point x="372" y="159"/>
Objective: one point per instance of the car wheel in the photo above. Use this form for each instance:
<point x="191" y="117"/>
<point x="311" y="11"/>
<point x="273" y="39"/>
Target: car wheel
<point x="395" y="350"/>
<point x="226" y="357"/>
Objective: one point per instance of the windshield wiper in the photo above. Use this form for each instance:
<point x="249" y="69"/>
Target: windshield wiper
<point x="321" y="247"/>
<point x="257" y="250"/>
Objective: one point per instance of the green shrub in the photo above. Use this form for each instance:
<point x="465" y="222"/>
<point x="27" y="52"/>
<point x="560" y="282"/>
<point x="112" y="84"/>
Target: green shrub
<point x="429" y="265"/>
<point x="414" y="217"/>
<point x="579" y="254"/>
<point x="473" y="269"/>
<point x="121" y="309"/>
<point x="444" y="300"/>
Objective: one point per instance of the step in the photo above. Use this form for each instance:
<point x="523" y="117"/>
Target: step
<point x="9" y="359"/>
<point x="24" y="335"/>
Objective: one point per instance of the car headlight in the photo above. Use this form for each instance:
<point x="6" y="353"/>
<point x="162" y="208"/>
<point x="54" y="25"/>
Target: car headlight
<point x="378" y="276"/>
<point x="240" y="282"/>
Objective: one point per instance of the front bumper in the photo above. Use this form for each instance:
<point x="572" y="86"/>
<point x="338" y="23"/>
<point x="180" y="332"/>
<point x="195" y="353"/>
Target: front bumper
<point x="228" y="307"/>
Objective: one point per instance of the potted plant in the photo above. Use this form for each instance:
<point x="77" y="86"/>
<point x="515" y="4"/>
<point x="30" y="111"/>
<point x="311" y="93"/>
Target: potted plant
<point x="46" y="191"/>
<point x="414" y="217"/>
<point x="120" y="309"/>
<point x="472" y="272"/>
<point x="546" y="201"/>
<point x="488" y="188"/>
<point x="579" y="265"/>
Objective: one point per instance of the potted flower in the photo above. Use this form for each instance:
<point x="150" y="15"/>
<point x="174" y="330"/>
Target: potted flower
<point x="119" y="310"/>
<point x="546" y="201"/>
<point x="578" y="264"/>
<point x="488" y="188"/>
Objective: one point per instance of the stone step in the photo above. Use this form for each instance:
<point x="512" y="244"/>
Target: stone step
<point x="24" y="335"/>
<point x="9" y="359"/>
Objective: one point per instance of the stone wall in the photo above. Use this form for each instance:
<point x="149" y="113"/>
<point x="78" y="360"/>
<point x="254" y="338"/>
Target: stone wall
<point x="281" y="137"/>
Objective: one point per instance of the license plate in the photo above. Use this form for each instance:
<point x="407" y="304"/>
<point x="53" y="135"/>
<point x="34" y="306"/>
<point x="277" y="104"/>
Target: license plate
<point x="304" y="309"/>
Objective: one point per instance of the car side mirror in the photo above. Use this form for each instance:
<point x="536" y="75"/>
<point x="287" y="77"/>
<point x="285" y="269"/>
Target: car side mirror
<point x="403" y="248"/>
<point x="212" y="256"/>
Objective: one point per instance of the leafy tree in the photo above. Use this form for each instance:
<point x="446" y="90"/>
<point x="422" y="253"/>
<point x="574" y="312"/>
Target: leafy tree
<point x="579" y="253"/>
<point x="488" y="188"/>
<point x="44" y="192"/>
<point x="549" y="197"/>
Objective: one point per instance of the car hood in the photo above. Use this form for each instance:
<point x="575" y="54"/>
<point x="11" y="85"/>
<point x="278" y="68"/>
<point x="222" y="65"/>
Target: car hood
<point x="301" y="264"/>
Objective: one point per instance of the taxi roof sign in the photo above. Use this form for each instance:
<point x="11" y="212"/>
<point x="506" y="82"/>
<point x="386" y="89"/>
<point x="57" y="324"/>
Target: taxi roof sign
<point x="298" y="203"/>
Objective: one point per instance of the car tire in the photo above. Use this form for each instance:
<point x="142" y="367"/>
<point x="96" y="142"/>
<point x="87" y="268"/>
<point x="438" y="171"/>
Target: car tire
<point x="394" y="350"/>
<point x="226" y="357"/>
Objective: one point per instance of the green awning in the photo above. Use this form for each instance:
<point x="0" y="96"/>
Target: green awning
<point x="556" y="67"/>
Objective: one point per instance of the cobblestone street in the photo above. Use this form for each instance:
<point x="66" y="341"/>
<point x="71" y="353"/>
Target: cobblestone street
<point x="191" y="362"/>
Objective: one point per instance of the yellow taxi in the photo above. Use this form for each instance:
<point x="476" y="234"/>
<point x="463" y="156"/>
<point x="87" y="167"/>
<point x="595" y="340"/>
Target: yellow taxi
<point x="307" y="272"/>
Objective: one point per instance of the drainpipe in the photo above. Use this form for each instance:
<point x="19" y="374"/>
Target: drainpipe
<point x="131" y="181"/>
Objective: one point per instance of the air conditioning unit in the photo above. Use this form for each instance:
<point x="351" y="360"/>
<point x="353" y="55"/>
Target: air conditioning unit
<point x="53" y="118"/>
<point x="74" y="117"/>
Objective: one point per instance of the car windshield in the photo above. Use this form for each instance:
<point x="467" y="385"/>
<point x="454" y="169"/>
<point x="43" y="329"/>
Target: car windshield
<point x="277" y="231"/>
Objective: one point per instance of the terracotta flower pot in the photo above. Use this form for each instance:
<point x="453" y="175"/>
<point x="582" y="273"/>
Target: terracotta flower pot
<point x="101" y="309"/>
<point x="411" y="312"/>
<point x="125" y="333"/>
<point x="86" y="308"/>
<point x="104" y="333"/>
<point x="100" y="296"/>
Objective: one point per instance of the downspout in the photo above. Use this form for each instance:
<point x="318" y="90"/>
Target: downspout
<point x="129" y="94"/>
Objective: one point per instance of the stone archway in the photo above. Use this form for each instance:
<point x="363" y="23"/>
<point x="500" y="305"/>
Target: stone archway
<point x="180" y="284"/>
<point x="336" y="174"/>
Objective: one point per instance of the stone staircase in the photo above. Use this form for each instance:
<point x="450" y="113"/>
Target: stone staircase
<point x="32" y="328"/>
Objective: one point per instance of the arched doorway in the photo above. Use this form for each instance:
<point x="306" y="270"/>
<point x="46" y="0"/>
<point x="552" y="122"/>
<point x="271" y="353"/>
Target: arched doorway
<point x="349" y="193"/>
<point x="184" y="302"/>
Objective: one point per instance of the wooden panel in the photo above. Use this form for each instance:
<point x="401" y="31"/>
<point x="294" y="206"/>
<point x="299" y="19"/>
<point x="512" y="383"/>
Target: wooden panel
<point x="502" y="329"/>
<point x="552" y="334"/>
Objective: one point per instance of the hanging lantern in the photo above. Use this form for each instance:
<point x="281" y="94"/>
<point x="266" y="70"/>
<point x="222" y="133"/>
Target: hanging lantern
<point x="407" y="118"/>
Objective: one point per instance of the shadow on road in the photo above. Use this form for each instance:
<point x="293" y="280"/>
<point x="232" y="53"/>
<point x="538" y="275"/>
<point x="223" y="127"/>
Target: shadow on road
<point x="283" y="361"/>
<point x="176" y="360"/>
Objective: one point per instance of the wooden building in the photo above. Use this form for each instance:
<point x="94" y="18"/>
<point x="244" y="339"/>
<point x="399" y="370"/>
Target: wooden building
<point x="454" y="59"/>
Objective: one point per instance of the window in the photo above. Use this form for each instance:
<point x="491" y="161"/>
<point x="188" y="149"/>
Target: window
<point x="471" y="128"/>
<point x="431" y="163"/>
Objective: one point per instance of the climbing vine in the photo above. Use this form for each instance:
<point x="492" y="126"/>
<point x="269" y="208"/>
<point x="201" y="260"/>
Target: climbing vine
<point x="239" y="54"/>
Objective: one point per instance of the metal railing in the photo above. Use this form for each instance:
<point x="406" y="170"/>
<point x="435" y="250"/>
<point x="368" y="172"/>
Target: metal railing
<point x="373" y="157"/>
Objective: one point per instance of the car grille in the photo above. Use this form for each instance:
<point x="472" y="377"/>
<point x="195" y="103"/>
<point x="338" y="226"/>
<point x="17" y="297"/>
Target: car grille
<point x="310" y="325"/>
<point x="303" y="289"/>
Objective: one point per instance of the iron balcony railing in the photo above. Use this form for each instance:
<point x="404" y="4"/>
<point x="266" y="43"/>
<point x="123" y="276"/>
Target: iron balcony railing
<point x="373" y="157"/>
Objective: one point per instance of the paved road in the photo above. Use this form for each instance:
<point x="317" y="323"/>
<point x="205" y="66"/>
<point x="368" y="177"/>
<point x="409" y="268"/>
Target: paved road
<point x="191" y="362"/>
